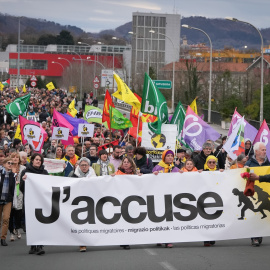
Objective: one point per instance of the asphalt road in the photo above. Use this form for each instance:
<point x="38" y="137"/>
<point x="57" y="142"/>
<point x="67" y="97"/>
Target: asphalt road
<point x="230" y="254"/>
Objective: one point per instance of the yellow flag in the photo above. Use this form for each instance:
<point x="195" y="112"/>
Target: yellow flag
<point x="193" y="106"/>
<point x="262" y="170"/>
<point x="1" y="86"/>
<point x="71" y="108"/>
<point x="17" y="90"/>
<point x="125" y="94"/>
<point x="24" y="88"/>
<point x="18" y="133"/>
<point x="50" y="86"/>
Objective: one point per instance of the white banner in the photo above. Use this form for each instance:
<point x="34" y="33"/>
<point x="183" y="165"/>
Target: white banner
<point x="131" y="209"/>
<point x="163" y="141"/>
<point x="60" y="133"/>
<point x="54" y="165"/>
<point x="86" y="130"/>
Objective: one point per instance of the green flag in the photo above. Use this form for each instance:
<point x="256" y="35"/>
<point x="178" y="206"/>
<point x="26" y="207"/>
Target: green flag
<point x="179" y="117"/>
<point x="18" y="106"/>
<point x="118" y="121"/>
<point x="92" y="114"/>
<point x="153" y="102"/>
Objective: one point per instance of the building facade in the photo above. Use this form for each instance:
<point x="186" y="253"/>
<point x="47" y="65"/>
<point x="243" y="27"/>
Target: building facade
<point x="155" y="42"/>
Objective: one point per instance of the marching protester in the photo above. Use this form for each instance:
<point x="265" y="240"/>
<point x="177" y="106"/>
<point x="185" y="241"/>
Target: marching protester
<point x="127" y="167"/>
<point x="200" y="159"/>
<point x="92" y="155"/>
<point x="249" y="151"/>
<point x="7" y="187"/>
<point x="180" y="158"/>
<point x="115" y="157"/>
<point x="143" y="164"/>
<point x="211" y="165"/>
<point x="36" y="166"/>
<point x="258" y="160"/>
<point x="189" y="166"/>
<point x="83" y="170"/>
<point x="166" y="165"/>
<point x="70" y="158"/>
<point x="103" y="166"/>
<point x="16" y="212"/>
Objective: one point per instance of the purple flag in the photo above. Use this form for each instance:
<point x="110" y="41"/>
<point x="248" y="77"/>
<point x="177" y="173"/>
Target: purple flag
<point x="195" y="131"/>
<point x="74" y="122"/>
<point x="250" y="131"/>
<point x="264" y="136"/>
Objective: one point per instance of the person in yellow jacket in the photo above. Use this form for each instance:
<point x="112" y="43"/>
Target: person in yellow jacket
<point x="103" y="167"/>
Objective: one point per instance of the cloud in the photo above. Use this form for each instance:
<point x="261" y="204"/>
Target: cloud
<point x="103" y="11"/>
<point x="101" y="19"/>
<point x="142" y="5"/>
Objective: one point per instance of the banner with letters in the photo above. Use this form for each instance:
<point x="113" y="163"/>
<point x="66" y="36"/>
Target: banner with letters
<point x="131" y="209"/>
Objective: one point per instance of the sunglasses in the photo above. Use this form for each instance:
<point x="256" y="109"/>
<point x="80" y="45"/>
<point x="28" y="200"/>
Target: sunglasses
<point x="10" y="163"/>
<point x="211" y="162"/>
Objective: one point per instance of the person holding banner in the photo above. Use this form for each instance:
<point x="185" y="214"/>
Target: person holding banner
<point x="143" y="163"/>
<point x="35" y="166"/>
<point x="7" y="187"/>
<point x="211" y="165"/>
<point x="200" y="159"/>
<point x="83" y="170"/>
<point x="259" y="159"/>
<point x="102" y="166"/>
<point x="127" y="166"/>
<point x="166" y="165"/>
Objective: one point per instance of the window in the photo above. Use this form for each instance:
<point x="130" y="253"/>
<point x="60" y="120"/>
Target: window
<point x="162" y="22"/>
<point x="140" y="20"/>
<point x="148" y="21"/>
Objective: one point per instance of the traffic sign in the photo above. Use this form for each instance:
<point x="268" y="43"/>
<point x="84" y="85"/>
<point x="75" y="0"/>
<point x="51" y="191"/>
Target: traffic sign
<point x="33" y="84"/>
<point x="96" y="85"/>
<point x="96" y="80"/>
<point x="33" y="78"/>
<point x="163" y="84"/>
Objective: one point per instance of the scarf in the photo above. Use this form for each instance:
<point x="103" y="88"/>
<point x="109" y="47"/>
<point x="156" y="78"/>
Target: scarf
<point x="127" y="171"/>
<point x="167" y="167"/>
<point x="81" y="174"/>
<point x="206" y="168"/>
<point x="104" y="170"/>
<point x="193" y="170"/>
<point x="140" y="162"/>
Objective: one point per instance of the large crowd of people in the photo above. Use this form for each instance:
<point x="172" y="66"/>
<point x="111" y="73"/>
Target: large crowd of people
<point x="85" y="160"/>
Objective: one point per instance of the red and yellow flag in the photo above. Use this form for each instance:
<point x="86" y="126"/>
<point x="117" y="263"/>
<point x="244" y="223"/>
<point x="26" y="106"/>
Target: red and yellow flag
<point x="106" y="108"/>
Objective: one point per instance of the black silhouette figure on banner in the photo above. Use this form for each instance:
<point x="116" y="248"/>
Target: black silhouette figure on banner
<point x="245" y="200"/>
<point x="263" y="198"/>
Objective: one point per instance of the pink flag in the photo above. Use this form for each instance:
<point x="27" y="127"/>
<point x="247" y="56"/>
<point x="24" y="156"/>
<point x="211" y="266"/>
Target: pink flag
<point x="263" y="135"/>
<point x="60" y="121"/>
<point x="32" y="133"/>
<point x="250" y="131"/>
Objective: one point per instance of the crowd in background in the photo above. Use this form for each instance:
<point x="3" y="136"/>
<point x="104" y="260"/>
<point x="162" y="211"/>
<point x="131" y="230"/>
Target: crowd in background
<point x="86" y="160"/>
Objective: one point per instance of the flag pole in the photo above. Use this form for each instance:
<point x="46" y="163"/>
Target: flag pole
<point x="110" y="111"/>
<point x="82" y="146"/>
<point x="56" y="148"/>
<point x="138" y="127"/>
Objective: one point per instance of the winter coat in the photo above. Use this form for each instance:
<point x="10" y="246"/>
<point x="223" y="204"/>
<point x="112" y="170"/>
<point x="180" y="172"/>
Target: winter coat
<point x="12" y="183"/>
<point x="31" y="169"/>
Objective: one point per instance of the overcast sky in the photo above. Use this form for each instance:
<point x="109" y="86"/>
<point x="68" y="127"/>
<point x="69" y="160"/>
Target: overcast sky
<point x="97" y="15"/>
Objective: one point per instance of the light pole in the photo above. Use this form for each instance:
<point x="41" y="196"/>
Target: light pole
<point x="210" y="76"/>
<point x="81" y="73"/>
<point x="152" y="31"/>
<point x="58" y="64"/>
<point x="19" y="46"/>
<point x="261" y="105"/>
<point x="61" y="58"/>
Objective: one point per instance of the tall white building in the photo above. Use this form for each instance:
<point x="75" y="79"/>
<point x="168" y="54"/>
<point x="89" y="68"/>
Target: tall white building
<point x="156" y="40"/>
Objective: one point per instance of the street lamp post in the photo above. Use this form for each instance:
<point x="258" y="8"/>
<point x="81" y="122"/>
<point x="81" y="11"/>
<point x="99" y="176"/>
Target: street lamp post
<point x="261" y="102"/>
<point x="61" y="58"/>
<point x="58" y="64"/>
<point x="81" y="73"/>
<point x="152" y="31"/>
<point x="210" y="76"/>
<point x="19" y="47"/>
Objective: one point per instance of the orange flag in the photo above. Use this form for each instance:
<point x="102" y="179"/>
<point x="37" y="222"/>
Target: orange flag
<point x="106" y="108"/>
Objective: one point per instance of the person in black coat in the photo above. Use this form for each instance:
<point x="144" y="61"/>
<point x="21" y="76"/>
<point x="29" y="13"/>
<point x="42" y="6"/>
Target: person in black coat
<point x="7" y="188"/>
<point x="200" y="159"/>
<point x="143" y="163"/>
<point x="35" y="166"/>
